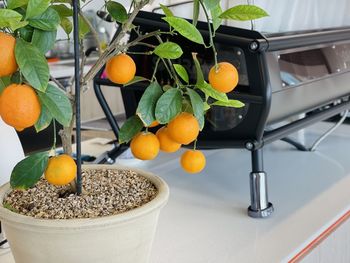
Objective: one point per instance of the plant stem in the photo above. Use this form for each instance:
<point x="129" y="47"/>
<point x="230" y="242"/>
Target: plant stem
<point x="211" y="36"/>
<point x="92" y="30"/>
<point x="54" y="136"/>
<point x="140" y="53"/>
<point x="155" y="70"/>
<point x="174" y="76"/>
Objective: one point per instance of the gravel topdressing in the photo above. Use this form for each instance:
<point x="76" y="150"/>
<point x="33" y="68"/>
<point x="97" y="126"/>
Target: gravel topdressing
<point x="105" y="192"/>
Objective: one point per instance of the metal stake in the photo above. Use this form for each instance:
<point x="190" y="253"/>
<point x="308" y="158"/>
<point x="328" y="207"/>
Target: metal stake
<point x="77" y="92"/>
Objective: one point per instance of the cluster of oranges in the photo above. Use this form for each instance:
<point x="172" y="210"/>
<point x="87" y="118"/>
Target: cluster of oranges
<point x="20" y="108"/>
<point x="184" y="128"/>
<point x="19" y="104"/>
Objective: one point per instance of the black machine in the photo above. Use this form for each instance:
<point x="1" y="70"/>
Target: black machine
<point x="305" y="73"/>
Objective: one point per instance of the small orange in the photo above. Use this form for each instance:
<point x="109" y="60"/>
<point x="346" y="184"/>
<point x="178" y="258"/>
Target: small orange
<point x="61" y="170"/>
<point x="8" y="64"/>
<point x="193" y="161"/>
<point x="19" y="106"/>
<point x="154" y="124"/>
<point x="183" y="129"/>
<point x="145" y="146"/>
<point x="166" y="144"/>
<point x="121" y="69"/>
<point x="225" y="78"/>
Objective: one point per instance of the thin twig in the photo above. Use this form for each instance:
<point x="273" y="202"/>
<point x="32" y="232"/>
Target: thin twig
<point x="177" y="81"/>
<point x="92" y="30"/>
<point x="58" y="83"/>
<point x="210" y="34"/>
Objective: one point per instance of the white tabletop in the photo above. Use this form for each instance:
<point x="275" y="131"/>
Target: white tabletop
<point x="205" y="220"/>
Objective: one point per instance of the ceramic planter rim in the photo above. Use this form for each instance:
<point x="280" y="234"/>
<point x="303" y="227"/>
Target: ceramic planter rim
<point x="158" y="202"/>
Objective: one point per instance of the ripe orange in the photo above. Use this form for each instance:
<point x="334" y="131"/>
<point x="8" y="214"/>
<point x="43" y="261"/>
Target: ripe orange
<point x="225" y="78"/>
<point x="183" y="129"/>
<point x="193" y="161"/>
<point x="145" y="146"/>
<point x="8" y="64"/>
<point x="19" y="106"/>
<point x="61" y="170"/>
<point x="166" y="144"/>
<point x="121" y="69"/>
<point x="154" y="124"/>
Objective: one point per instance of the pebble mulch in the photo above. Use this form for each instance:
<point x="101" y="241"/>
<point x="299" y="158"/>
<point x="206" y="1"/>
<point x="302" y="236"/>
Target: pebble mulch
<point x="105" y="192"/>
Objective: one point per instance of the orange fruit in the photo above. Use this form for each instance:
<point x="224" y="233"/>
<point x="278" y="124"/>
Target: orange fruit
<point x="154" y="124"/>
<point x="121" y="69"/>
<point x="8" y="64"/>
<point x="183" y="129"/>
<point x="145" y="146"/>
<point x="225" y="78"/>
<point x="19" y="106"/>
<point x="61" y="170"/>
<point x="166" y="144"/>
<point x="193" y="161"/>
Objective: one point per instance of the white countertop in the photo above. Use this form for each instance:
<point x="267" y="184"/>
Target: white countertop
<point x="205" y="220"/>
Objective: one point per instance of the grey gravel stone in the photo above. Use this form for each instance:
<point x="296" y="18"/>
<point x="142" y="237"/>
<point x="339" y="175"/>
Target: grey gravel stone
<point x="106" y="192"/>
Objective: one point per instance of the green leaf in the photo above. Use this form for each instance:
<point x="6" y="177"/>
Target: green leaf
<point x="199" y="72"/>
<point x="210" y="4"/>
<point x="57" y="103"/>
<point x="195" y="14"/>
<point x="211" y="92"/>
<point x="48" y="21"/>
<point x="12" y="4"/>
<point x="243" y="13"/>
<point x="26" y="33"/>
<point x="4" y="82"/>
<point x="197" y="106"/>
<point x="229" y="103"/>
<point x="11" y="19"/>
<point x="66" y="25"/>
<point x="185" y="29"/>
<point x="186" y="106"/>
<point x="117" y="11"/>
<point x="181" y="71"/>
<point x="130" y="128"/>
<point x="36" y="7"/>
<point x="63" y="10"/>
<point x="44" y="40"/>
<point x="166" y="10"/>
<point x="32" y="64"/>
<point x="168" y="106"/>
<point x="10" y="207"/>
<point x="28" y="171"/>
<point x="215" y="16"/>
<point x="168" y="50"/>
<point x="44" y="119"/>
<point x="83" y="28"/>
<point x="147" y="103"/>
<point x="166" y="87"/>
<point x="206" y="106"/>
<point x="136" y="79"/>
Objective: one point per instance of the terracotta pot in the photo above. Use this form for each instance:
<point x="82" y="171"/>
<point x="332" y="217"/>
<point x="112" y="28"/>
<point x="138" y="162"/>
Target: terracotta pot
<point x="123" y="238"/>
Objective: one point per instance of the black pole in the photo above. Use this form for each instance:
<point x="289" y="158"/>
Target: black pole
<point x="77" y="92"/>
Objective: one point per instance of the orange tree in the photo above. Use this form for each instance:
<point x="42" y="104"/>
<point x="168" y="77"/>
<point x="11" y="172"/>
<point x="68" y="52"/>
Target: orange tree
<point x="28" y="30"/>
